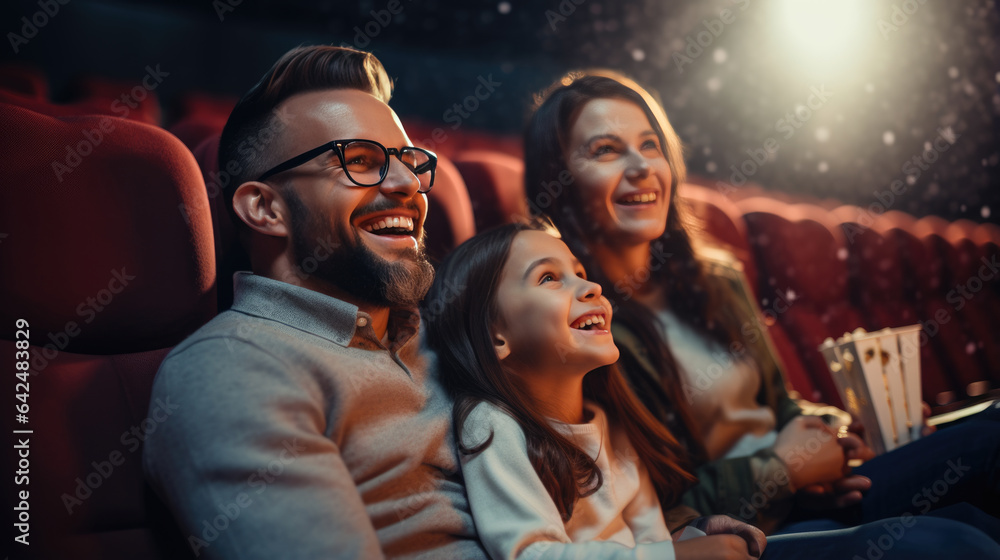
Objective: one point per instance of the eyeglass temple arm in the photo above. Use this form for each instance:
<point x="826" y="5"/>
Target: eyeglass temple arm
<point x="299" y="160"/>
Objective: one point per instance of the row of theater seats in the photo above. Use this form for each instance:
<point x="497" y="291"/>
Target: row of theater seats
<point x="109" y="275"/>
<point x="109" y="255"/>
<point x="823" y="269"/>
<point x="117" y="247"/>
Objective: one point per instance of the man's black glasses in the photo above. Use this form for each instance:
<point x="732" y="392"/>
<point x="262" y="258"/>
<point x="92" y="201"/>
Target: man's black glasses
<point x="366" y="162"/>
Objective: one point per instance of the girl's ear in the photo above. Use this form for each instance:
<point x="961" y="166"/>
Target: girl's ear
<point x="501" y="347"/>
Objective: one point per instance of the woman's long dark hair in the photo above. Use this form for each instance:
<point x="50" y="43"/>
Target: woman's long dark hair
<point x="677" y="267"/>
<point x="460" y="312"/>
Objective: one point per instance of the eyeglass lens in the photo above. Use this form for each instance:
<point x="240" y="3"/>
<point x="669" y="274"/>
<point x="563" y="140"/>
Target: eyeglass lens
<point x="366" y="162"/>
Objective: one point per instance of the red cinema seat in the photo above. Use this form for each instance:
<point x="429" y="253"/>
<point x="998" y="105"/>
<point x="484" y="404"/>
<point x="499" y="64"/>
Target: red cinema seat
<point x="93" y="96"/>
<point x="970" y="293"/>
<point x="972" y="257"/>
<point x="106" y="179"/>
<point x="445" y="140"/>
<point x="802" y="255"/>
<point x="941" y="307"/>
<point x="437" y="138"/>
<point x="201" y="116"/>
<point x="987" y="238"/>
<point x="193" y="131"/>
<point x="43" y="106"/>
<point x="135" y="101"/>
<point x="879" y="285"/>
<point x="206" y="153"/>
<point x="229" y="253"/>
<point x="496" y="187"/>
<point x="795" y="370"/>
<point x="721" y="219"/>
<point x="987" y="232"/>
<point x="939" y="384"/>
<point x="925" y="289"/>
<point x="449" y="212"/>
<point x="876" y="274"/>
<point x="109" y="275"/>
<point x="477" y="141"/>
<point x="25" y="80"/>
<point x="747" y="190"/>
<point x="205" y="106"/>
<point x="753" y="190"/>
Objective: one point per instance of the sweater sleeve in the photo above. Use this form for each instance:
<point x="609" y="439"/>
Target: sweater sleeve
<point x="514" y="515"/>
<point x="644" y="514"/>
<point x="756" y="489"/>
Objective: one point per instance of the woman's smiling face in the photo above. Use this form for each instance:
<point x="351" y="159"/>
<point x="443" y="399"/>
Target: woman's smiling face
<point x="620" y="171"/>
<point x="551" y="318"/>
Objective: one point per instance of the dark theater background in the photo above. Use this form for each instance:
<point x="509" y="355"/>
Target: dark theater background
<point x="896" y="81"/>
<point x="846" y="151"/>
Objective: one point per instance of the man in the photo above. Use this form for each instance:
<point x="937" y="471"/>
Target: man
<point x="307" y="425"/>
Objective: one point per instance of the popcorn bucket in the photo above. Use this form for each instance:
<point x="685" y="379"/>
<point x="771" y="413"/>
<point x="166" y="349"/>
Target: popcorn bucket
<point x="878" y="377"/>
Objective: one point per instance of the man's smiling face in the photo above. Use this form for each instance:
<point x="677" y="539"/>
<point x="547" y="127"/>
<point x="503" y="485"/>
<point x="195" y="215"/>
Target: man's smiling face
<point x="377" y="232"/>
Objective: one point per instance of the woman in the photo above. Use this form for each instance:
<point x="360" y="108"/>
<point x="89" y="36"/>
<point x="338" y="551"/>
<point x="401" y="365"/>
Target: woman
<point x="603" y="161"/>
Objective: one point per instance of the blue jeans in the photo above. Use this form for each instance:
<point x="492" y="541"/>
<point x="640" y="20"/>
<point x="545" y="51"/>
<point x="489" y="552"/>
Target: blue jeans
<point x="902" y="538"/>
<point x="943" y="475"/>
<point x="960" y="463"/>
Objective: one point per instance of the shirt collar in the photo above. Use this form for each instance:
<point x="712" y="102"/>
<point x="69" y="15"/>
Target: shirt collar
<point x="311" y="311"/>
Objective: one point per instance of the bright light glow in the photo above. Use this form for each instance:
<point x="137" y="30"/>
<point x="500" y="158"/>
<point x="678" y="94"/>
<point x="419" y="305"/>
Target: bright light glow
<point x="824" y="31"/>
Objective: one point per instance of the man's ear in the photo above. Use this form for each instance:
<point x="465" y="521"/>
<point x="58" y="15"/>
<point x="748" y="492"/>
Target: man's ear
<point x="261" y="207"/>
<point x="500" y="346"/>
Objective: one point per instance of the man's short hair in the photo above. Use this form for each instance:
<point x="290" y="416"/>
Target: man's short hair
<point x="255" y="124"/>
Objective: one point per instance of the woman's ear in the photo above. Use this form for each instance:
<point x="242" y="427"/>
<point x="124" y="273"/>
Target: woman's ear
<point x="500" y="346"/>
<point x="262" y="208"/>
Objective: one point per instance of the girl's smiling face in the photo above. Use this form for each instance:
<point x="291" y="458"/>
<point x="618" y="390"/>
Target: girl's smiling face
<point x="620" y="171"/>
<point x="551" y="319"/>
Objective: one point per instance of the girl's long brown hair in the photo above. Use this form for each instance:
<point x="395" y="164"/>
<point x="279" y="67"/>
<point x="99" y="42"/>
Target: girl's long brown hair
<point x="460" y="311"/>
<point x="678" y="269"/>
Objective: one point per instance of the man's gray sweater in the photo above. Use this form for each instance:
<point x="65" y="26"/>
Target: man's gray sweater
<point x="299" y="434"/>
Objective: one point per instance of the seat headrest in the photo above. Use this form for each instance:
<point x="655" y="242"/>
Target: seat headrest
<point x="109" y="239"/>
<point x="24" y="79"/>
<point x="449" y="212"/>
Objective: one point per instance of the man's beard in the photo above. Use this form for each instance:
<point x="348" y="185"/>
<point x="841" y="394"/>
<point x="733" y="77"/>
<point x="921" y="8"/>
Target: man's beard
<point x="353" y="267"/>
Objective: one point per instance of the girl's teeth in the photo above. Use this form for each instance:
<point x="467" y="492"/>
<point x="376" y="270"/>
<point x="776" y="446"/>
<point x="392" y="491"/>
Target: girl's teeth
<point x="590" y="321"/>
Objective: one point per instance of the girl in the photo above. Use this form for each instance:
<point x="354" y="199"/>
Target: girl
<point x="559" y="458"/>
<point x="556" y="450"/>
<point x="679" y="311"/>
